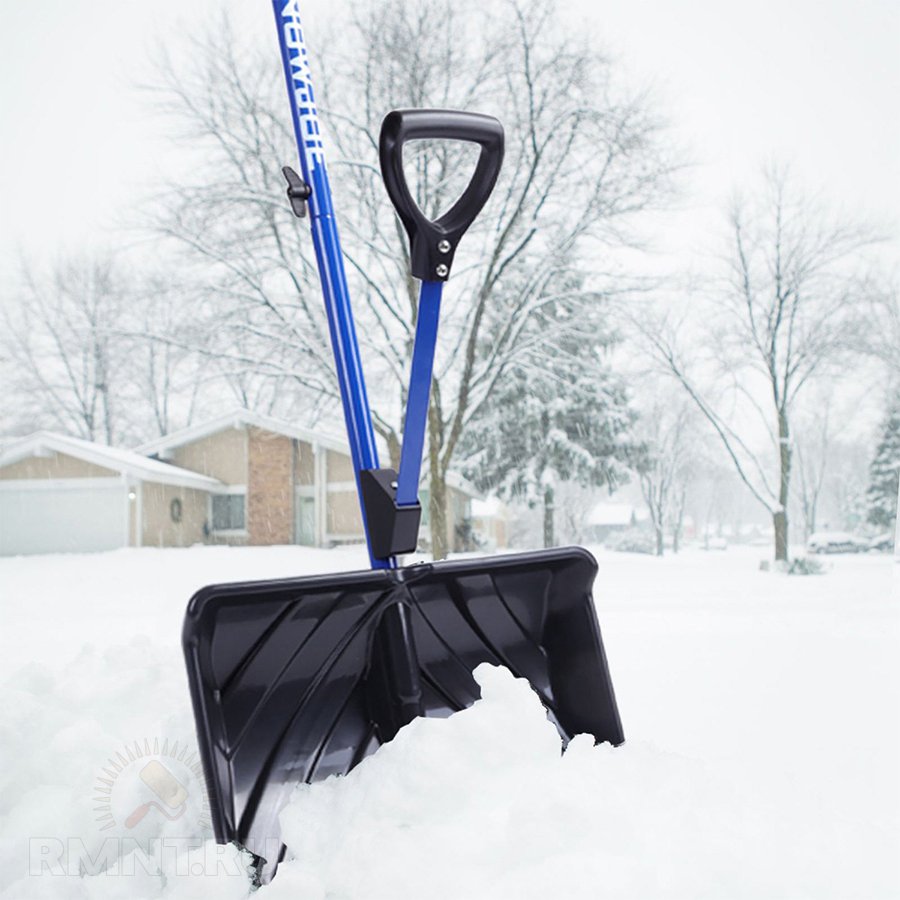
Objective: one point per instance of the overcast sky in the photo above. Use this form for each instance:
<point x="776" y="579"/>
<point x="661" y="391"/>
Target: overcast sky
<point x="816" y="82"/>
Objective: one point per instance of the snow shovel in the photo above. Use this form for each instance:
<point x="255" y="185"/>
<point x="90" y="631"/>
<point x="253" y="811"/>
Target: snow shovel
<point x="298" y="679"/>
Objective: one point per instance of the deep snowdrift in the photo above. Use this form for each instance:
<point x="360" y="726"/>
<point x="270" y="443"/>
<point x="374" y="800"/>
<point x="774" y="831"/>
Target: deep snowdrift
<point x="762" y="714"/>
<point x="484" y="805"/>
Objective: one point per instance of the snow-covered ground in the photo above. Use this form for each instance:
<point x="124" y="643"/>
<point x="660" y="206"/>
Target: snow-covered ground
<point x="762" y="715"/>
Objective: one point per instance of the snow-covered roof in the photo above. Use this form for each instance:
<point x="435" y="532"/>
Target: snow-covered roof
<point x="455" y="480"/>
<point x="611" y="514"/>
<point x="241" y="418"/>
<point x="487" y="509"/>
<point x="126" y="462"/>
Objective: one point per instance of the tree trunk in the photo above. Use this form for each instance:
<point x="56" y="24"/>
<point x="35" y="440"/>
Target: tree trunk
<point x="101" y="385"/>
<point x="437" y="497"/>
<point x="780" y="517"/>
<point x="779" y="520"/>
<point x="549" y="510"/>
<point x="394" y="447"/>
<point x="679" y="521"/>
<point x="660" y="541"/>
<point x="437" y="511"/>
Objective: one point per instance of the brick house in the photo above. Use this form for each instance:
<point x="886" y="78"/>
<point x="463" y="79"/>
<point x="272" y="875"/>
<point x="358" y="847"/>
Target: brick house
<point x="241" y="478"/>
<point x="281" y="484"/>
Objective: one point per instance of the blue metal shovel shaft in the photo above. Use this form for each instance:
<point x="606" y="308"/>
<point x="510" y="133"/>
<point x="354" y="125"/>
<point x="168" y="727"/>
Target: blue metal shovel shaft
<point x="328" y="249"/>
<point x="419" y="392"/>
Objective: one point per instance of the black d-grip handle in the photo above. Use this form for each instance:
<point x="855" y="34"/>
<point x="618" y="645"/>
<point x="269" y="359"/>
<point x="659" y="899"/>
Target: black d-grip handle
<point x="433" y="244"/>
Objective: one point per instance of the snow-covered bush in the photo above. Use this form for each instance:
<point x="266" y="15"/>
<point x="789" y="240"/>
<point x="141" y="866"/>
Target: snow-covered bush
<point x="633" y="540"/>
<point x="805" y="565"/>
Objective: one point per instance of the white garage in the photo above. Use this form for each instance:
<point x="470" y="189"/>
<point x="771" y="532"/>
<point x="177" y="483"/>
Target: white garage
<point x="63" y="516"/>
<point x="64" y="495"/>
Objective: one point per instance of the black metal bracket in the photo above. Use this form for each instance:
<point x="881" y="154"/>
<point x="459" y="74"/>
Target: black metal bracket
<point x="298" y="191"/>
<point x="392" y="529"/>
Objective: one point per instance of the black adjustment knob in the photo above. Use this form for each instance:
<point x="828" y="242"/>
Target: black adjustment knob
<point x="298" y="191"/>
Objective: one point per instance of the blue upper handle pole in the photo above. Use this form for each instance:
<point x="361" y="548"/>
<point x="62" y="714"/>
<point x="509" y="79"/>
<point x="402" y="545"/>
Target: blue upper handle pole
<point x="327" y="245"/>
<point x="419" y="393"/>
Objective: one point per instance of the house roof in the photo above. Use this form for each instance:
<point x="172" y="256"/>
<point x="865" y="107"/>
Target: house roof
<point x="237" y="418"/>
<point x="488" y="508"/>
<point x="463" y="485"/>
<point x="126" y="462"/>
<point x="611" y="514"/>
<point x="240" y="417"/>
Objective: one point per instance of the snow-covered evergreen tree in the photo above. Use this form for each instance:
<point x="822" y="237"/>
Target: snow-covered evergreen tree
<point x="558" y="415"/>
<point x="884" y="473"/>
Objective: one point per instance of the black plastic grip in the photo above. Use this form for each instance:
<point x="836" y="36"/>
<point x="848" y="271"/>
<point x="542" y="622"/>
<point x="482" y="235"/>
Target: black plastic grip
<point x="433" y="243"/>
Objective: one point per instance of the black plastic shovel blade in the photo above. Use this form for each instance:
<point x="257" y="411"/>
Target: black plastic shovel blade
<point x="296" y="680"/>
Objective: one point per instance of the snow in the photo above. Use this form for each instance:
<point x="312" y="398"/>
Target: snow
<point x="124" y="461"/>
<point x="837" y="537"/>
<point x="762" y="715"/>
<point x="612" y="514"/>
<point x="487" y="508"/>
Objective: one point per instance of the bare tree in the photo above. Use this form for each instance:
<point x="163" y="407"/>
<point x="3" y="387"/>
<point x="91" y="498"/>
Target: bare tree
<point x="812" y="450"/>
<point x="583" y="159"/>
<point x="881" y="338"/>
<point x="679" y="505"/>
<point x="575" y="503"/>
<point x="77" y="351"/>
<point x="166" y="376"/>
<point x="668" y="430"/>
<point x="715" y="499"/>
<point x="779" y="321"/>
<point x="842" y="503"/>
<point x="58" y="346"/>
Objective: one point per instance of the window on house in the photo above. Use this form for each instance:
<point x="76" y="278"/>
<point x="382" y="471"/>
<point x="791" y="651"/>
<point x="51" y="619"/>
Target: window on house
<point x="228" y="512"/>
<point x="305" y="526"/>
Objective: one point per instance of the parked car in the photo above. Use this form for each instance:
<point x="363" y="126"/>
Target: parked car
<point x="716" y="543"/>
<point x="884" y="543"/>
<point x="835" y="542"/>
